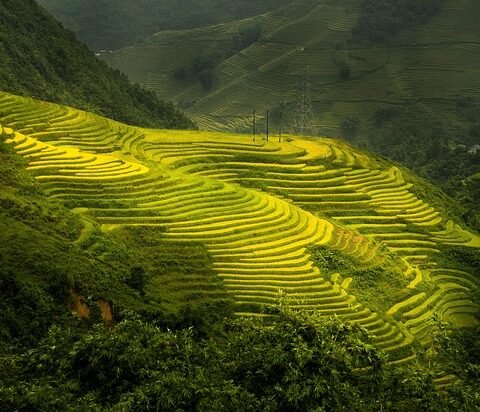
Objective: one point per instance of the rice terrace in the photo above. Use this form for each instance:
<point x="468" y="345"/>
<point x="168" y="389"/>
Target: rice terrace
<point x="294" y="228"/>
<point x="262" y="208"/>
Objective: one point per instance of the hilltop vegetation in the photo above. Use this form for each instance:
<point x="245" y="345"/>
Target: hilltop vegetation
<point x="381" y="20"/>
<point x="42" y="59"/>
<point x="259" y="211"/>
<point x="131" y="230"/>
<point x="51" y="256"/>
<point x="102" y="24"/>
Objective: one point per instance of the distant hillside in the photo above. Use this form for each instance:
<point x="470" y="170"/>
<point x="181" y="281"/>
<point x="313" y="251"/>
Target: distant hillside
<point x="110" y="24"/>
<point x="346" y="80"/>
<point x="400" y="78"/>
<point x="40" y="58"/>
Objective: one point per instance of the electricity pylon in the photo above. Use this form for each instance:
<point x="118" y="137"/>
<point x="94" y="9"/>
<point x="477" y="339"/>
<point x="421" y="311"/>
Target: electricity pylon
<point x="304" y="111"/>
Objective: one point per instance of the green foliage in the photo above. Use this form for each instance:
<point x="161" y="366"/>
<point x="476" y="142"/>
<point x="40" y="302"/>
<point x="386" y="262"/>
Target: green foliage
<point x="137" y="279"/>
<point x="379" y="285"/>
<point x="176" y="279"/>
<point x="178" y="355"/>
<point x="332" y="260"/>
<point x="349" y="126"/>
<point x="467" y="107"/>
<point x="344" y="70"/>
<point x="42" y="59"/>
<point x="383" y="114"/>
<point x="201" y="69"/>
<point x="295" y="362"/>
<point x="458" y="257"/>
<point x="382" y="19"/>
<point x="245" y="37"/>
<point x="42" y="264"/>
<point x="373" y="277"/>
<point x="434" y="153"/>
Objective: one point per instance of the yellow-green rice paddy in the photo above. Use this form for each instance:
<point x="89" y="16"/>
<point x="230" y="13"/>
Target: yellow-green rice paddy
<point x="258" y="207"/>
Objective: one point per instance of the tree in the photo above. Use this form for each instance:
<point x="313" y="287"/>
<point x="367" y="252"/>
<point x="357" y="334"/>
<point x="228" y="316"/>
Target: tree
<point x="137" y="279"/>
<point x="344" y="70"/>
<point x="349" y="126"/>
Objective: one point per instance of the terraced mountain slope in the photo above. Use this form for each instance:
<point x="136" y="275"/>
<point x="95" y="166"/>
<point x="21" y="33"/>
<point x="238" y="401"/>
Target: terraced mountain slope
<point x="425" y="70"/>
<point x="263" y="210"/>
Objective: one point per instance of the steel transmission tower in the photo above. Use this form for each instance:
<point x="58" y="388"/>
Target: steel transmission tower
<point x="304" y="110"/>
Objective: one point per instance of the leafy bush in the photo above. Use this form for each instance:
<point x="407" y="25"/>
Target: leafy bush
<point x="331" y="260"/>
<point x="137" y="279"/>
<point x="344" y="70"/>
<point x="295" y="362"/>
<point x="245" y="37"/>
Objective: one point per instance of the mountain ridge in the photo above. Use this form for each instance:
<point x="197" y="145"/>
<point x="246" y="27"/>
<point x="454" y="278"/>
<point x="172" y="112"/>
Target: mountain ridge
<point x="40" y="58"/>
<point x="100" y="25"/>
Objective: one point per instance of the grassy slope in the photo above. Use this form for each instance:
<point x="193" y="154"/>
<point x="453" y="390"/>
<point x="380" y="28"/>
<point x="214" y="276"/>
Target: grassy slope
<point x="42" y="59"/>
<point x="264" y="212"/>
<point x="427" y="68"/>
<point x="47" y="252"/>
<point x="415" y="99"/>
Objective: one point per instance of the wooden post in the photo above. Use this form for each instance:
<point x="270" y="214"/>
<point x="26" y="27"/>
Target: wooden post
<point x="267" y="124"/>
<point x="280" y="129"/>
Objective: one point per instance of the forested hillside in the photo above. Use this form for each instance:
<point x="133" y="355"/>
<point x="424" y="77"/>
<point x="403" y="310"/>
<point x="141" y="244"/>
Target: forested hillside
<point x="110" y="24"/>
<point x="40" y="58"/>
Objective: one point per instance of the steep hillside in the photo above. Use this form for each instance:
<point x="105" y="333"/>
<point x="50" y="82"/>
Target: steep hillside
<point x="55" y="261"/>
<point x="40" y="58"/>
<point x="337" y="230"/>
<point x="413" y="94"/>
<point x="427" y="69"/>
<point x="102" y="24"/>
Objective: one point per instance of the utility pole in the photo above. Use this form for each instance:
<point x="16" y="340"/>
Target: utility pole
<point x="280" y="128"/>
<point x="304" y="112"/>
<point x="267" y="123"/>
<point x="254" y="125"/>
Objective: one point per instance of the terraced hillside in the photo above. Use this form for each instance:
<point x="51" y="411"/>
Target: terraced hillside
<point x="264" y="210"/>
<point x="425" y="70"/>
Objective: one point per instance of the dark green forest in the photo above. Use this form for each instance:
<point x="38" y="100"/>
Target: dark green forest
<point x="39" y="58"/>
<point x="111" y="24"/>
<point x="380" y="20"/>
